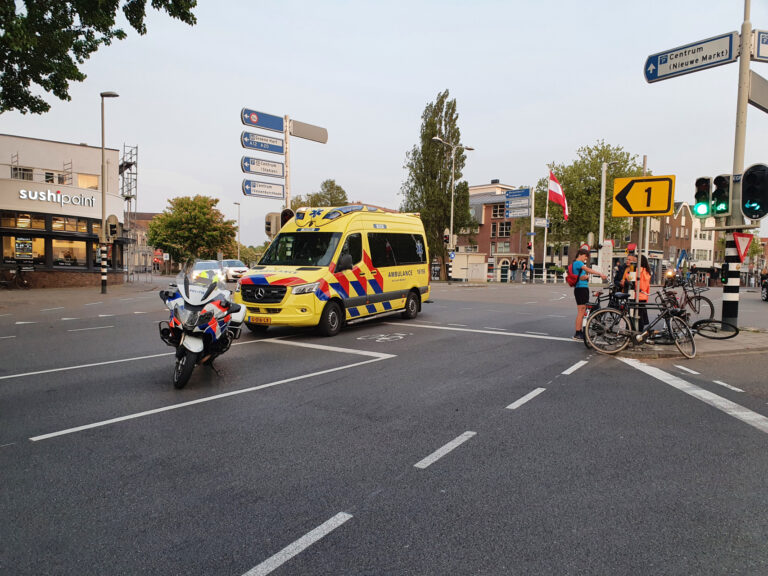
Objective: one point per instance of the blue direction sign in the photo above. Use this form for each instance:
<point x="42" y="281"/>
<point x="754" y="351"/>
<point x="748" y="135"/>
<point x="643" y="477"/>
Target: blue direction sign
<point x="263" y="189"/>
<point x="760" y="44"/>
<point x="263" y="143"/>
<point x="262" y="120"/>
<point x="264" y="167"/>
<point x="520" y="193"/>
<point x="707" y="53"/>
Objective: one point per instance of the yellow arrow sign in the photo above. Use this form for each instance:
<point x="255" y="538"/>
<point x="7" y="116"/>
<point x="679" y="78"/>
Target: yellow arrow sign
<point x="644" y="196"/>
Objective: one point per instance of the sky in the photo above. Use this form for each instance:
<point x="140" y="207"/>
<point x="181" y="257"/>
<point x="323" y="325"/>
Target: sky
<point x="533" y="81"/>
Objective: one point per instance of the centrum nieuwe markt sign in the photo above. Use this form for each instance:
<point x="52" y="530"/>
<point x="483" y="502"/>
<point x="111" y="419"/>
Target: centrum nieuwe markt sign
<point x="707" y="53"/>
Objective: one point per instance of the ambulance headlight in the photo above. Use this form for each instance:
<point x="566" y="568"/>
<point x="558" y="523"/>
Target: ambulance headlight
<point x="305" y="288"/>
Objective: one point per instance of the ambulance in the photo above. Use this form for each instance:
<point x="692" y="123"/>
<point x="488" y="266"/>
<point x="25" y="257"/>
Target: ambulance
<point x="333" y="266"/>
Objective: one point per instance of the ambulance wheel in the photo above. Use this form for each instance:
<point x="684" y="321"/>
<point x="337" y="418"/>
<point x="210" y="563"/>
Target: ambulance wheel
<point x="411" y="306"/>
<point x="256" y="328"/>
<point x="330" y="320"/>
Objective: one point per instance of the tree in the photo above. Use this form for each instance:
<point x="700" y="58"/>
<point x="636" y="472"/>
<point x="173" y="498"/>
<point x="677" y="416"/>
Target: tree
<point x="581" y="183"/>
<point x="192" y="228"/>
<point x="44" y="42"/>
<point x="330" y="194"/>
<point x="427" y="189"/>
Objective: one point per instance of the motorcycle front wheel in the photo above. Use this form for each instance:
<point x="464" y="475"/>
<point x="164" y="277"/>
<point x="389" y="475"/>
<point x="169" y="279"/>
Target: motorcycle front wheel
<point x="185" y="363"/>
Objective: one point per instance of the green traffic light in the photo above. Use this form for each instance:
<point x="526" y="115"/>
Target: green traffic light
<point x="701" y="209"/>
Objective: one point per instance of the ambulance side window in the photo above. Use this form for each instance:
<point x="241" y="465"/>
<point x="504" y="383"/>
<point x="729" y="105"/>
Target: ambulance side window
<point x="351" y="252"/>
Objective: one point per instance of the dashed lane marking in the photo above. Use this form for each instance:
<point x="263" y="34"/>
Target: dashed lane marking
<point x="575" y="367"/>
<point x="530" y="396"/>
<point x="440" y="452"/>
<point x="93" y="328"/>
<point x="684" y="369"/>
<point x="727" y="386"/>
<point x="274" y="562"/>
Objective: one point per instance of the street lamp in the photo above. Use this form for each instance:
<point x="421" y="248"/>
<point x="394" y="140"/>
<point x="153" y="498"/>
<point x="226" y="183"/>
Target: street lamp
<point x="453" y="165"/>
<point x="600" y="235"/>
<point x="103" y="234"/>
<point x="238" y="229"/>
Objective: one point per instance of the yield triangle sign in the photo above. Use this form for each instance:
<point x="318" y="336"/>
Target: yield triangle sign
<point x="742" y="243"/>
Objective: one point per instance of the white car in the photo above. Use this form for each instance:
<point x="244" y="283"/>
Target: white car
<point x="233" y="269"/>
<point x="207" y="268"/>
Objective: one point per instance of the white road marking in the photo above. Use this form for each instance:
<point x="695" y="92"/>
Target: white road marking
<point x="299" y="546"/>
<point x="139" y="312"/>
<point x="530" y="396"/>
<point x="492" y="328"/>
<point x="539" y="333"/>
<point x="374" y="357"/>
<point x="17" y="323"/>
<point x="556" y="316"/>
<point x="92" y="303"/>
<point x="531" y="302"/>
<point x="4" y="337"/>
<point x="727" y="386"/>
<point x="459" y="325"/>
<point x="731" y="408"/>
<point x="684" y="369"/>
<point x="126" y="299"/>
<point x="2" y="315"/>
<point x="439" y="453"/>
<point x="94" y="328"/>
<point x="105" y="315"/>
<point x="476" y="331"/>
<point x="70" y="318"/>
<point x="575" y="367"/>
<point x="48" y="309"/>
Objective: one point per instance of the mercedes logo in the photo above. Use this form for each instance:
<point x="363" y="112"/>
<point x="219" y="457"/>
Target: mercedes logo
<point x="260" y="293"/>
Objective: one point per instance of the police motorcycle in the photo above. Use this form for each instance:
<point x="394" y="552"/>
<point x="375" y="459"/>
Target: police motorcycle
<point x="203" y="323"/>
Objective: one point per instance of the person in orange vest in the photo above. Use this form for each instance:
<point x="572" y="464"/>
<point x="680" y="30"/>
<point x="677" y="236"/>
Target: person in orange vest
<point x="640" y="280"/>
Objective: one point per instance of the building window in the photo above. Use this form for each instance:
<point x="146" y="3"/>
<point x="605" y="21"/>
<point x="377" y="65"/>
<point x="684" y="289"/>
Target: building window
<point x="565" y="251"/>
<point x="90" y="181"/>
<point x="49" y="177"/>
<point x="493" y="230"/>
<point x="493" y="247"/>
<point x="23" y="249"/>
<point x="504" y="229"/>
<point x="497" y="211"/>
<point x="21" y="173"/>
<point x="10" y="219"/>
<point x="69" y="253"/>
<point x="502" y="247"/>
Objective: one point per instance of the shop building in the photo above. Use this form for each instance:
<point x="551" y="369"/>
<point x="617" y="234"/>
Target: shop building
<point x="50" y="211"/>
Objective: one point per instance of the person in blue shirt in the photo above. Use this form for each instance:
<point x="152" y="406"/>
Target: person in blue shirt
<point x="581" y="290"/>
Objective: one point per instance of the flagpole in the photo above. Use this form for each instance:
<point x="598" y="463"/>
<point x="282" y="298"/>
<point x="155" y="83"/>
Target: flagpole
<point x="544" y="251"/>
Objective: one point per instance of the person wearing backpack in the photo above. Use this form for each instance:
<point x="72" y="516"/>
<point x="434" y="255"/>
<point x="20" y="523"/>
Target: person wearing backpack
<point x="580" y="269"/>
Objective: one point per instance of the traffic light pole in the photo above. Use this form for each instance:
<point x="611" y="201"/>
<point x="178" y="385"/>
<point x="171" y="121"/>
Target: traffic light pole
<point x="731" y="288"/>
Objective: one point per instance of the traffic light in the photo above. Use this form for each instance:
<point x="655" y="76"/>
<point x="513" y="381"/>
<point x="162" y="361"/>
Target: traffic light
<point x="530" y="245"/>
<point x="285" y="216"/>
<point x="754" y="192"/>
<point x="113" y="230"/>
<point x="272" y="224"/>
<point x="721" y="196"/>
<point x="702" y="207"/>
<point x="724" y="273"/>
<point x="446" y="238"/>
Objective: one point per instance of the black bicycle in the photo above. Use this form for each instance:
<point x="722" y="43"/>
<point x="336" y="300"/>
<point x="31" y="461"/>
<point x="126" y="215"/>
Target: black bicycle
<point x="714" y="329"/>
<point x="14" y="279"/>
<point x="611" y="330"/>
<point x="697" y="307"/>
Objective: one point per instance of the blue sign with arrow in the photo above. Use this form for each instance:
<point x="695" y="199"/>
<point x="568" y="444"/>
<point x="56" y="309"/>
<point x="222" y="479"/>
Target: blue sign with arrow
<point x="263" y="143"/>
<point x="262" y="120"/>
<point x="520" y="193"/>
<point x="707" y="53"/>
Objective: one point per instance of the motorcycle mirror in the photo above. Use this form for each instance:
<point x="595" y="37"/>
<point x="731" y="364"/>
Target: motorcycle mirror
<point x="173" y="285"/>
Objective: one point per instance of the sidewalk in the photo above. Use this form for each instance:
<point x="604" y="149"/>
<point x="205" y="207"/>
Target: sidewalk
<point x="747" y="341"/>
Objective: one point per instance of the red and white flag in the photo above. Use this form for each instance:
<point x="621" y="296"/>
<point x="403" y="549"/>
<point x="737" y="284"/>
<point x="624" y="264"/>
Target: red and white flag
<point x="557" y="195"/>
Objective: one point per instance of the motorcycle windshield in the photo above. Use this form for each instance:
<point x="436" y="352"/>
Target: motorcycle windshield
<point x="197" y="289"/>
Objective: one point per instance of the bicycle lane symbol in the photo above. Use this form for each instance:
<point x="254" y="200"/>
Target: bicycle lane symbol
<point x="386" y="337"/>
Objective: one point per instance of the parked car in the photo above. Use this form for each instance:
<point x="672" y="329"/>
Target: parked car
<point x="233" y="269"/>
<point x="210" y="267"/>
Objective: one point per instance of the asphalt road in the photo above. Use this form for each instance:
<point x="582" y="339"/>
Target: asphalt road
<point x="477" y="439"/>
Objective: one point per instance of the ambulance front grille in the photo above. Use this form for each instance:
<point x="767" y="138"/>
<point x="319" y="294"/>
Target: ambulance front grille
<point x="259" y="294"/>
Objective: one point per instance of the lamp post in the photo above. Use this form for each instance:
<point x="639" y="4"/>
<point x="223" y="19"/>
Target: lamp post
<point x="103" y="234"/>
<point x="238" y="229"/>
<point x="600" y="235"/>
<point x="453" y="166"/>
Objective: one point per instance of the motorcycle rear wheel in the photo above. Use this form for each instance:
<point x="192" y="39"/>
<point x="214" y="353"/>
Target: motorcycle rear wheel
<point x="185" y="363"/>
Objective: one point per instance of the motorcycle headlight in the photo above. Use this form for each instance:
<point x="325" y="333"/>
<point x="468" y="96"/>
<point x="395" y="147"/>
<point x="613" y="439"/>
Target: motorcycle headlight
<point x="187" y="317"/>
<point x="305" y="288"/>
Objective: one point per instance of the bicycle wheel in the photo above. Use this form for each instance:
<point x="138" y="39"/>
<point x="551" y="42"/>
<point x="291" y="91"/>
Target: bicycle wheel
<point x="20" y="282"/>
<point x="714" y="329"/>
<point x="701" y="308"/>
<point x="608" y="331"/>
<point x="683" y="336"/>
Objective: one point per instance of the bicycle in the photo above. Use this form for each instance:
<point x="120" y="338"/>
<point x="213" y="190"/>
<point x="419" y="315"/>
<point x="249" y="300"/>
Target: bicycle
<point x="701" y="307"/>
<point x="610" y="330"/>
<point x="714" y="329"/>
<point x="611" y="301"/>
<point x="14" y="279"/>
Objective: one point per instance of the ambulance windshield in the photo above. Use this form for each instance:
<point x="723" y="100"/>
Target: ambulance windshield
<point x="302" y="249"/>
